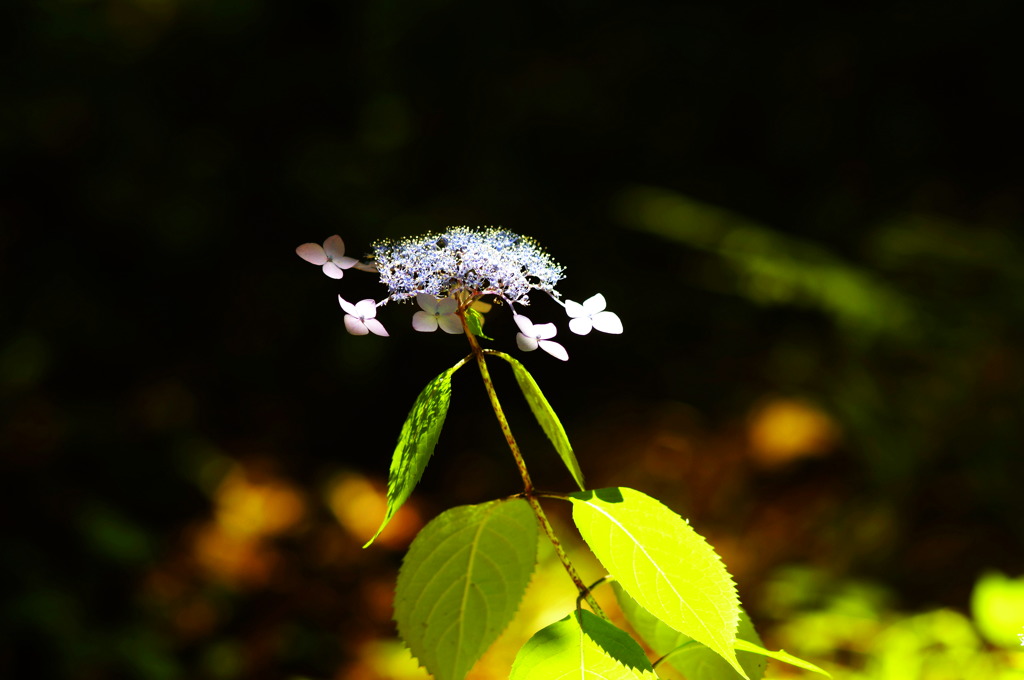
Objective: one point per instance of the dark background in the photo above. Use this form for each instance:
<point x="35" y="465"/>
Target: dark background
<point x="809" y="207"/>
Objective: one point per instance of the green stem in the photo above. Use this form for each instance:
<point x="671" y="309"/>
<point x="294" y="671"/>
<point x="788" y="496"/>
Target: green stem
<point x="528" y="491"/>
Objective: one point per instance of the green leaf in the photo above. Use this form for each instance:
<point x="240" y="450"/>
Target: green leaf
<point x="416" y="443"/>
<point x="546" y="416"/>
<point x="666" y="566"/>
<point x="693" y="660"/>
<point x="461" y="583"/>
<point x="781" y="655"/>
<point x="475" y="321"/>
<point x="581" y="646"/>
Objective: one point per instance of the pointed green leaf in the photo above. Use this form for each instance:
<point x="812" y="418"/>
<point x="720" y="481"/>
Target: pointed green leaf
<point x="666" y="566"/>
<point x="546" y="416"/>
<point x="475" y="321"/>
<point x="581" y="646"/>
<point x="693" y="660"/>
<point x="781" y="655"/>
<point x="461" y="583"/>
<point x="416" y="442"/>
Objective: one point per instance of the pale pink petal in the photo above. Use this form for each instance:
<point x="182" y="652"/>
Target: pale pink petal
<point x="581" y="326"/>
<point x="574" y="309"/>
<point x="334" y="247"/>
<point x="525" y="325"/>
<point x="450" y="323"/>
<point x="332" y="271"/>
<point x="544" y="331"/>
<point x="376" y="327"/>
<point x="554" y="349"/>
<point x="355" y="326"/>
<point x="424" y="322"/>
<point x="347" y="306"/>
<point x="594" y="304"/>
<point x="447" y="306"/>
<point x="344" y="262"/>
<point x="366" y="309"/>
<point x="607" y="322"/>
<point x="427" y="302"/>
<point x="312" y="253"/>
<point x="525" y="343"/>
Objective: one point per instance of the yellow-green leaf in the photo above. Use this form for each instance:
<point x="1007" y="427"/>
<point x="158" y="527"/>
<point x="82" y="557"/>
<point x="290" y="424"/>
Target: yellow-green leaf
<point x="546" y="416"/>
<point x="693" y="660"/>
<point x="416" y="443"/>
<point x="781" y="655"/>
<point x="475" y="321"/>
<point x="461" y="583"/>
<point x="666" y="566"/>
<point x="581" y="646"/>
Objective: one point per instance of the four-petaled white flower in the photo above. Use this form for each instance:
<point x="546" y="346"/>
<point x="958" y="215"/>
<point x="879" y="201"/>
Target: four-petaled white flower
<point x="539" y="335"/>
<point x="330" y="257"/>
<point x="590" y="315"/>
<point x="359" y="317"/>
<point x="437" y="313"/>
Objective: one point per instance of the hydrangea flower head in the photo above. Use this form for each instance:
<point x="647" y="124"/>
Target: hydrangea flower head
<point x="450" y="273"/>
<point x="462" y="260"/>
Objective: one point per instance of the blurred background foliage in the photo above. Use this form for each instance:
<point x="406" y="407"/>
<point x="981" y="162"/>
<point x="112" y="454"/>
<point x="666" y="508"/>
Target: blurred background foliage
<point x="807" y="217"/>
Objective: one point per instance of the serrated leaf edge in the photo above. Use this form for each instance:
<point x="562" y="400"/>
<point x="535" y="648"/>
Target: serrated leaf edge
<point x="732" y="662"/>
<point x="511" y="618"/>
<point x="391" y="510"/>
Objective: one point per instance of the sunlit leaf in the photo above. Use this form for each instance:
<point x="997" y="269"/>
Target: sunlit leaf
<point x="781" y="655"/>
<point x="461" y="583"/>
<point x="416" y="442"/>
<point x="666" y="566"/>
<point x="475" y="321"/>
<point x="581" y="646"/>
<point x="546" y="416"/>
<point x="694" y="660"/>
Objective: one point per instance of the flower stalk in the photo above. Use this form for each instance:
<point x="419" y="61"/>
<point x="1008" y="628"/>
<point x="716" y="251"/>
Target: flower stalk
<point x="529" y="492"/>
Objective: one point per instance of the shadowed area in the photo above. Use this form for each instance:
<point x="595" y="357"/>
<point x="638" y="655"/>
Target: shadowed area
<point x="808" y="219"/>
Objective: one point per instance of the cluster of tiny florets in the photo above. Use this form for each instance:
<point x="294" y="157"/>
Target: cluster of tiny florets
<point x="475" y="261"/>
<point x="449" y="274"/>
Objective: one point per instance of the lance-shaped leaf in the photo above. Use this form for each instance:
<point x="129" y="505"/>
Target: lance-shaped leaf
<point x="581" y="646"/>
<point x="461" y="583"/>
<point x="416" y="442"/>
<point x="546" y="416"/>
<point x="693" y="660"/>
<point x="666" y="566"/>
<point x="781" y="655"/>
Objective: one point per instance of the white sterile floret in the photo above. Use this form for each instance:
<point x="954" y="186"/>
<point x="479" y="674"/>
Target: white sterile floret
<point x="330" y="256"/>
<point x="359" y="317"/>
<point x="437" y="313"/>
<point x="533" y="336"/>
<point x="590" y="315"/>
